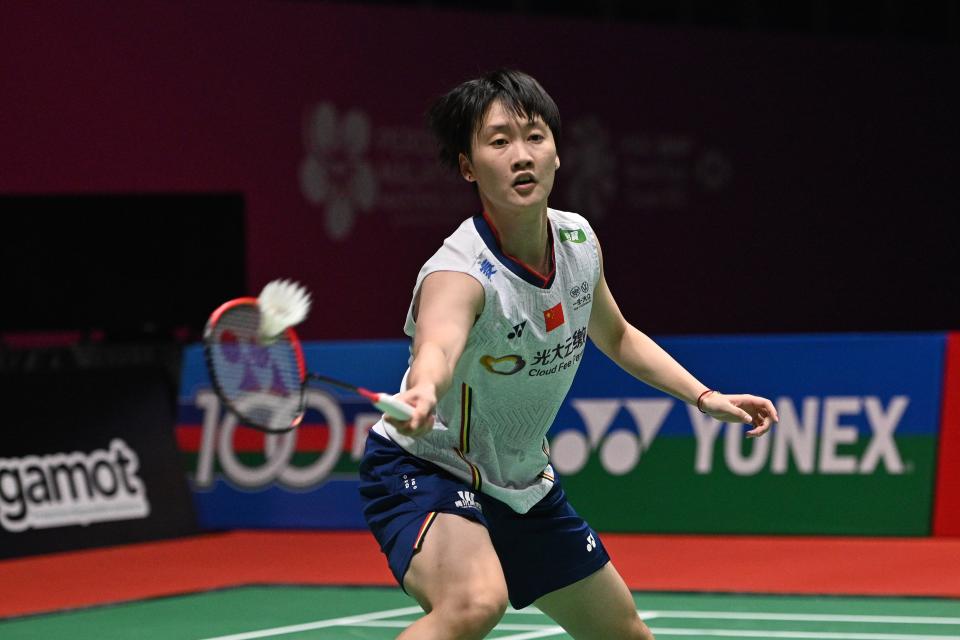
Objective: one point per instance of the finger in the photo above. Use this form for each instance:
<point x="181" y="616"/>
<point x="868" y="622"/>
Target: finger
<point x="773" y="411"/>
<point x="405" y="426"/>
<point x="766" y="410"/>
<point x="425" y="425"/>
<point x="393" y="422"/>
<point x="418" y="425"/>
<point x="402" y="427"/>
<point x="759" y="431"/>
<point x="415" y="419"/>
<point x="418" y="419"/>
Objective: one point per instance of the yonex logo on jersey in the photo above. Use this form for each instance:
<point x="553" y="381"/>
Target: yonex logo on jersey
<point x="504" y="365"/>
<point x="487" y="268"/>
<point x="573" y="235"/>
<point x="553" y="317"/>
<point x="517" y="330"/>
<point x="466" y="501"/>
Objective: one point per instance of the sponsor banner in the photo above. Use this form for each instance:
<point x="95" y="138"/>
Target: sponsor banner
<point x="304" y="478"/>
<point x="854" y="452"/>
<point x="88" y="460"/>
<point x="946" y="514"/>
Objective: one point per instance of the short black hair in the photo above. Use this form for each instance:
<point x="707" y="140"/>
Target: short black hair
<point x="456" y="117"/>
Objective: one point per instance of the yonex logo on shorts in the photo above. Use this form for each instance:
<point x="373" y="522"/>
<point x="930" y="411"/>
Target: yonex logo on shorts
<point x="591" y="543"/>
<point x="466" y="501"/>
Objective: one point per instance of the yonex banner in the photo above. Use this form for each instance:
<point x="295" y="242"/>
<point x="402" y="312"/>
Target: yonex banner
<point x="854" y="452"/>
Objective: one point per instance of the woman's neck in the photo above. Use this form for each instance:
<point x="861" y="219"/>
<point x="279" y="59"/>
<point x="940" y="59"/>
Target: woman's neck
<point x="524" y="236"/>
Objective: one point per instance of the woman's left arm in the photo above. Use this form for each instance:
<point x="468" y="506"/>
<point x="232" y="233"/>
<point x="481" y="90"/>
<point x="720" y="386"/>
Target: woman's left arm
<point x="642" y="358"/>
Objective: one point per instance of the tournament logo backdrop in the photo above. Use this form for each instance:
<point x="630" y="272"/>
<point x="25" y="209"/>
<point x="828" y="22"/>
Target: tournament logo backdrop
<point x="854" y="452"/>
<point x="304" y="478"/>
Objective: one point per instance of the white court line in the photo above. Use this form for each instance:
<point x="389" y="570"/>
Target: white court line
<point x="530" y="631"/>
<point x="752" y="633"/>
<point x="503" y="626"/>
<point x="807" y="635"/>
<point x="543" y="633"/>
<point x="798" y="617"/>
<point x="319" y="624"/>
<point x="795" y="617"/>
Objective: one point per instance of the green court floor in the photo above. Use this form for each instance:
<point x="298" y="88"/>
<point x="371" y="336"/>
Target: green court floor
<point x="301" y="613"/>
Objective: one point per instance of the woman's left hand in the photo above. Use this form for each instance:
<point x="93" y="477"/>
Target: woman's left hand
<point x="752" y="410"/>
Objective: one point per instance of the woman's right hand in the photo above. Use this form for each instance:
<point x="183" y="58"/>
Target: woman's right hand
<point x="423" y="399"/>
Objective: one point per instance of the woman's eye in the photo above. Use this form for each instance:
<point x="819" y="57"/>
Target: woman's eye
<point x="499" y="142"/>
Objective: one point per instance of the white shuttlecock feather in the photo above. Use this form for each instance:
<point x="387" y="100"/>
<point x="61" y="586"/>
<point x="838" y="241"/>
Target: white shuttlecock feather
<point x="283" y="304"/>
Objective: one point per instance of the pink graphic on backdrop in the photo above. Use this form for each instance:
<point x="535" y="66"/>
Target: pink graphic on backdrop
<point x="335" y="173"/>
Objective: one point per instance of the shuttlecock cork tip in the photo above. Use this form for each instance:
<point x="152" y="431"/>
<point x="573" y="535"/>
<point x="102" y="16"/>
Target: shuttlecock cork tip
<point x="283" y="304"/>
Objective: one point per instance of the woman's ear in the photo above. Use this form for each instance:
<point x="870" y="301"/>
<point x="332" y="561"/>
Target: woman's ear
<point x="466" y="170"/>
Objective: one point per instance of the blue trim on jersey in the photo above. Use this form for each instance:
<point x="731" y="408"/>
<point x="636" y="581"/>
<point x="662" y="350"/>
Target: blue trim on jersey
<point x="518" y="269"/>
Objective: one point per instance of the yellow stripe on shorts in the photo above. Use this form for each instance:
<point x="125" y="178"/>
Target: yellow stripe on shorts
<point x="423" y="530"/>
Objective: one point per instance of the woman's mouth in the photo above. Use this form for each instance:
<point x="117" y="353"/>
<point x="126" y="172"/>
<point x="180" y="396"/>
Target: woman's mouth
<point x="525" y="184"/>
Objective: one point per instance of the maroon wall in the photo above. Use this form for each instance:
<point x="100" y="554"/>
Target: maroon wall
<point x="738" y="182"/>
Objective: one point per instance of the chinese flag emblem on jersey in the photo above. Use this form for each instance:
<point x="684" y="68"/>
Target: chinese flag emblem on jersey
<point x="553" y="317"/>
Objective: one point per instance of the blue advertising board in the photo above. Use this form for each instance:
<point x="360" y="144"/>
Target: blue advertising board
<point x="854" y="452"/>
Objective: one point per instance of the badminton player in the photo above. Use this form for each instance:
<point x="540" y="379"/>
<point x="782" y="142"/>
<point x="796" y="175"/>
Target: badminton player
<point x="462" y="497"/>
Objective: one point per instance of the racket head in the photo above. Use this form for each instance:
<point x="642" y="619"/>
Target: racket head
<point x="261" y="381"/>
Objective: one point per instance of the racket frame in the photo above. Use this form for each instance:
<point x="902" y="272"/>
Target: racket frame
<point x="208" y="346"/>
<point x="386" y="403"/>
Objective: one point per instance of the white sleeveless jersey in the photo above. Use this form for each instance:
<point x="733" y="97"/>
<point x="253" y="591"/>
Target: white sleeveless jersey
<point x="518" y="363"/>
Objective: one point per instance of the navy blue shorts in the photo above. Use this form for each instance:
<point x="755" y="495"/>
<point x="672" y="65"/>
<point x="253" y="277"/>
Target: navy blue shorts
<point x="540" y="551"/>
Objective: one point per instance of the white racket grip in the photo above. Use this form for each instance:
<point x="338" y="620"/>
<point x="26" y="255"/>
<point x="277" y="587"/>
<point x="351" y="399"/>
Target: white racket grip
<point x="397" y="409"/>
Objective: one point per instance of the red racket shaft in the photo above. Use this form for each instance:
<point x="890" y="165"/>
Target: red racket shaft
<point x="397" y="409"/>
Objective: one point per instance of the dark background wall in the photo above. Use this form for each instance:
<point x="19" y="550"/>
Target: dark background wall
<point x="755" y="170"/>
<point x="905" y="20"/>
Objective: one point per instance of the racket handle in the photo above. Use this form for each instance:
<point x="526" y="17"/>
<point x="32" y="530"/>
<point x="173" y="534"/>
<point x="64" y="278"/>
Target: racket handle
<point x="397" y="409"/>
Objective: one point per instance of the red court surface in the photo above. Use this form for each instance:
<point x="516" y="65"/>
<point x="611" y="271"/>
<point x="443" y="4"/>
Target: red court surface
<point x="782" y="565"/>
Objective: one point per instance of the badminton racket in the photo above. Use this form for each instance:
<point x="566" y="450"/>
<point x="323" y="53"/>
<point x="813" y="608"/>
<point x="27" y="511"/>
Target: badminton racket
<point x="256" y="363"/>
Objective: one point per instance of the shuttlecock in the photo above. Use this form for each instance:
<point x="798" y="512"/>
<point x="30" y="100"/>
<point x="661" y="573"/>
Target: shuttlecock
<point x="283" y="303"/>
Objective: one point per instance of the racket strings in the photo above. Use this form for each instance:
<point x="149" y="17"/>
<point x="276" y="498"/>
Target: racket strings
<point x="260" y="379"/>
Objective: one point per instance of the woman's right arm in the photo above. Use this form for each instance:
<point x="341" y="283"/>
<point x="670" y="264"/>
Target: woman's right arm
<point x="447" y="306"/>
